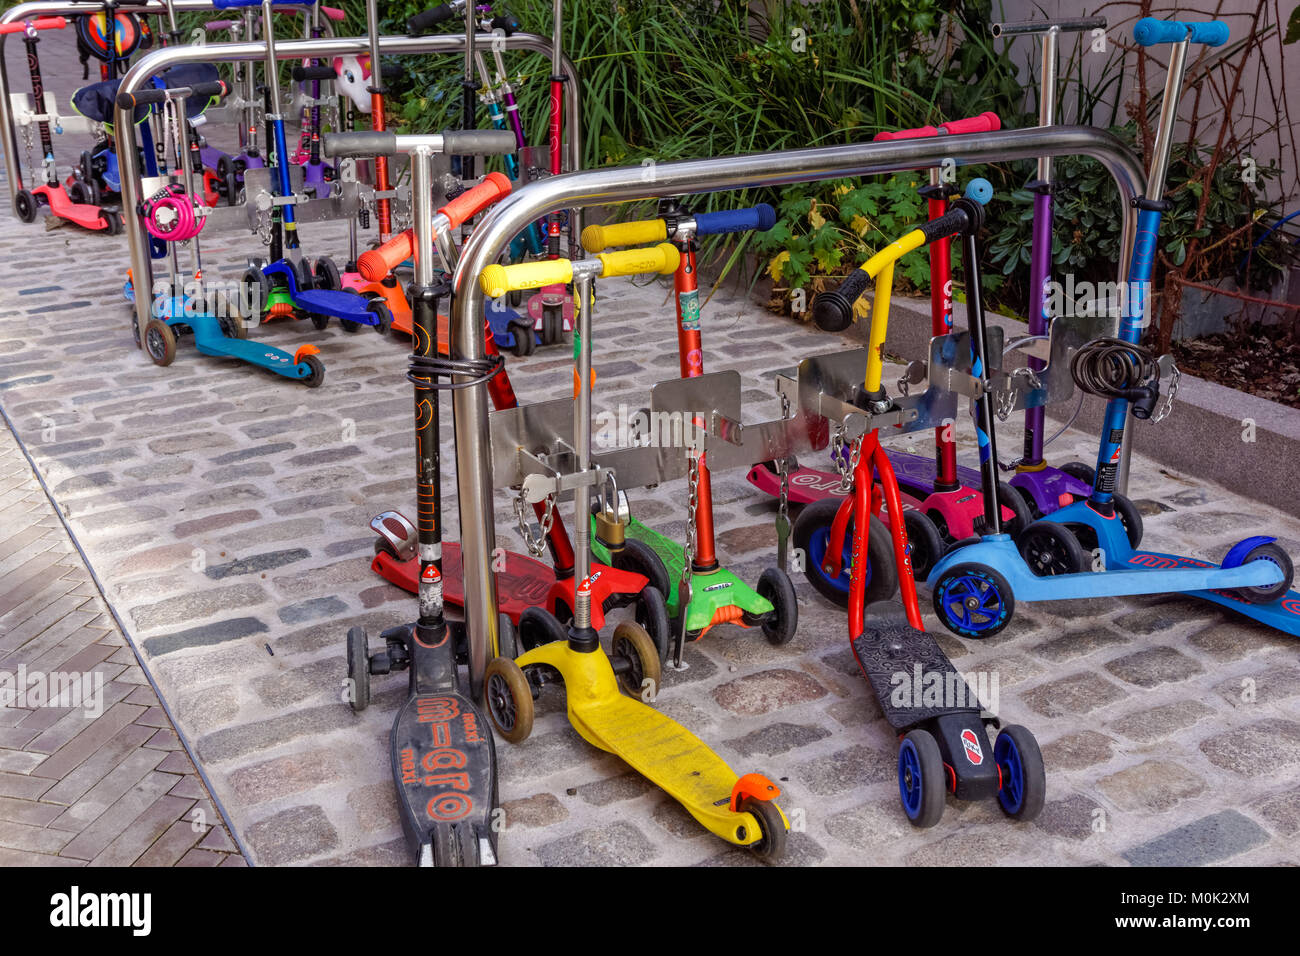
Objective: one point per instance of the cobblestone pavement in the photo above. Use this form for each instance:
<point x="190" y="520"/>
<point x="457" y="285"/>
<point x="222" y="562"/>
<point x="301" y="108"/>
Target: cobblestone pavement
<point x="104" y="783"/>
<point x="226" y="511"/>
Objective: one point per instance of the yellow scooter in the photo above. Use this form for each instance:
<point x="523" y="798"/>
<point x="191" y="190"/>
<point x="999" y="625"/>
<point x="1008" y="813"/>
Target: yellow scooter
<point x="739" y="809"/>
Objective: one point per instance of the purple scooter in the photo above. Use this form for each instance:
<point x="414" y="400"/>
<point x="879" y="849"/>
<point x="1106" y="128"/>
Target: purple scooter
<point x="1045" y="488"/>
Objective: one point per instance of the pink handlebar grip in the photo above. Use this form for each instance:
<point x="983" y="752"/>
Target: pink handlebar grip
<point x="40" y="23"/>
<point x="986" y="122"/>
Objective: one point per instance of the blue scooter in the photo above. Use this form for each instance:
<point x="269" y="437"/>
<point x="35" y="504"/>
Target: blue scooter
<point x="975" y="587"/>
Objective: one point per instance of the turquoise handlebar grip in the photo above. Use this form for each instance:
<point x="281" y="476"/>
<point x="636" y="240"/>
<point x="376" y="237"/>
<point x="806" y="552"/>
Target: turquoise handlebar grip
<point x="1149" y="31"/>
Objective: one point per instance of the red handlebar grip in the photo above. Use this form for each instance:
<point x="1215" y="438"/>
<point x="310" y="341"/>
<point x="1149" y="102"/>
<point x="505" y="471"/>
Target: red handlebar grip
<point x="40" y="23"/>
<point x="473" y="201"/>
<point x="375" y="264"/>
<point x="921" y="132"/>
<point x="984" y="123"/>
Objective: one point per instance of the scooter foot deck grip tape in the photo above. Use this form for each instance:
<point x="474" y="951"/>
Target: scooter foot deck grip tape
<point x="473" y="201"/>
<point x="597" y="238"/>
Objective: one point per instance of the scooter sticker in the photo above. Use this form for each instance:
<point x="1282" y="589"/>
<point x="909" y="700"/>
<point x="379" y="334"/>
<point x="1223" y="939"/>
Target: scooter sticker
<point x="970" y="743"/>
<point x="718" y="587"/>
<point x="689" y="305"/>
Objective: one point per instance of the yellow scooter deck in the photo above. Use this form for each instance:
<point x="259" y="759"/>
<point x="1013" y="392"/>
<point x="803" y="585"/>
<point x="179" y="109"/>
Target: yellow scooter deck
<point x="655" y="746"/>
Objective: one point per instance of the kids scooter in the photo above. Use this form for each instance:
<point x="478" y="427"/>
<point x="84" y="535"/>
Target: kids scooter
<point x="943" y="744"/>
<point x="635" y="576"/>
<point x="173" y="215"/>
<point x="975" y="587"/>
<point x="79" y="204"/>
<point x="702" y="592"/>
<point x="1045" y="489"/>
<point x="443" y="754"/>
<point x="740" y="810"/>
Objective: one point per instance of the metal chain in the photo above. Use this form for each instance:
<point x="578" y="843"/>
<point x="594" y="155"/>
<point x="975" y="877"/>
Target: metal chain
<point x="1167" y="407"/>
<point x="536" y="545"/>
<point x="846" y="470"/>
<point x="783" y="469"/>
<point x="692" y="505"/>
<point x="27" y="140"/>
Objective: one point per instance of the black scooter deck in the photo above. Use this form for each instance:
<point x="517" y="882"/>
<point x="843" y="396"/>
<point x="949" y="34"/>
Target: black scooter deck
<point x="902" y="664"/>
<point x="443" y="759"/>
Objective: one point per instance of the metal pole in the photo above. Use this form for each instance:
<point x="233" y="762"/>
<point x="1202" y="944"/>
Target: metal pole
<point x="325" y="47"/>
<point x="50" y="8"/>
<point x="623" y="184"/>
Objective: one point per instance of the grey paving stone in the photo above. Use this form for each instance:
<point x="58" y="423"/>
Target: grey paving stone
<point x="259" y="735"/>
<point x="1077" y="750"/>
<point x="1153" y="785"/>
<point x="1154" y="666"/>
<point x="1263" y="685"/>
<point x="762" y="693"/>
<point x="846" y="769"/>
<point x="253" y="564"/>
<point x="539" y="811"/>
<point x="1281" y="811"/>
<point x="197" y="605"/>
<point x="1157" y="722"/>
<point x="280" y="776"/>
<point x="314" y="609"/>
<point x="1211" y="839"/>
<point x="231" y="629"/>
<point x="292" y="835"/>
<point x="615" y="844"/>
<point x="1075" y="817"/>
<point x="1263" y="748"/>
<point x="1073" y="695"/>
<point x="777" y="738"/>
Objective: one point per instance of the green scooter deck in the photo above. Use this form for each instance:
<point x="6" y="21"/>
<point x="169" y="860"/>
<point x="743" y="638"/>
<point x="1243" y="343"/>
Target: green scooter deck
<point x="710" y="592"/>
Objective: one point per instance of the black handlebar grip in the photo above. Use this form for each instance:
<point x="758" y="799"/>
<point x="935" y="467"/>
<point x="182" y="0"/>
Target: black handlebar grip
<point x="964" y="215"/>
<point x="478" y="142"/>
<point x="507" y="22"/>
<point x="152" y="95"/>
<point x="301" y="73"/>
<point x="206" y="91"/>
<point x="361" y="144"/>
<point x="833" y="310"/>
<point x="423" y="21"/>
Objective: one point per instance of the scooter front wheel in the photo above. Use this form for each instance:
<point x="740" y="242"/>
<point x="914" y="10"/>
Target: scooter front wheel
<point x="160" y="342"/>
<point x="509" y="699"/>
<point x="972" y="600"/>
<point x="1020" y="765"/>
<point x="636" y="651"/>
<point x="775" y="586"/>
<point x="1268" y="593"/>
<point x="921" y="778"/>
<point x="358" y="669"/>
<point x="771" y="824"/>
<point x="812" y="531"/>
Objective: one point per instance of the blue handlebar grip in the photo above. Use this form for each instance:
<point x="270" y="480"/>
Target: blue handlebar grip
<point x="761" y="217"/>
<point x="1149" y="31"/>
<point x="980" y="190"/>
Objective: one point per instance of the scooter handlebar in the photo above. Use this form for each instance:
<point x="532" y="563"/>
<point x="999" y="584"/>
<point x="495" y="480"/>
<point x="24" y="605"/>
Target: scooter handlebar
<point x="473" y="201"/>
<point x="506" y="22"/>
<point x="663" y="259"/>
<point x="148" y="97"/>
<point x="206" y="91"/>
<point x="362" y="143"/>
<point x="1149" y="32"/>
<point x="761" y="217"/>
<point x="303" y="73"/>
<point x="833" y="310"/>
<point x="497" y="280"/>
<point x="40" y="23"/>
<point x="1067" y="25"/>
<point x="374" y="264"/>
<point x="599" y="238"/>
<point x="986" y="122"/>
<point x="478" y="142"/>
<point x="426" y="19"/>
<point x="230" y="4"/>
<point x="965" y="214"/>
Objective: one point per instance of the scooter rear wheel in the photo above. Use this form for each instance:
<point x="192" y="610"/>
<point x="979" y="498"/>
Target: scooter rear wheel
<point x="779" y="627"/>
<point x="525" y="339"/>
<point x="926" y="544"/>
<point x="1269" y="593"/>
<point x="972" y="600"/>
<point x="25" y="206"/>
<point x="772" y="844"/>
<point x="326" y="274"/>
<point x="383" y="318"/>
<point x="509" y="699"/>
<point x="316" y="375"/>
<point x="652" y="615"/>
<point x="1080" y="472"/>
<point x="1024" y="781"/>
<point x="642" y="675"/>
<point x="639" y="558"/>
<point x="538" y="626"/>
<point x="358" y="669"/>
<point x="160" y="342"/>
<point x="812" y="535"/>
<point x="1010" y="499"/>
<point x="921" y="783"/>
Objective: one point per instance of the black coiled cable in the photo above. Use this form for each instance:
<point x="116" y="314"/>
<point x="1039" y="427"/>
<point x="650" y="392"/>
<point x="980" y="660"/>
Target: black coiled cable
<point x="426" y="370"/>
<point x="1113" y="368"/>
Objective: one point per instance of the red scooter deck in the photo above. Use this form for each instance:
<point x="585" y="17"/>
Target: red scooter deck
<point x="523" y="584"/>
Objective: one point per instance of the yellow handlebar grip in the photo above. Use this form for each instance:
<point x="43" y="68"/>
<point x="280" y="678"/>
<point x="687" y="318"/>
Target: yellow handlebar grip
<point x="497" y="280"/>
<point x="662" y="258"/>
<point x="599" y="238"/>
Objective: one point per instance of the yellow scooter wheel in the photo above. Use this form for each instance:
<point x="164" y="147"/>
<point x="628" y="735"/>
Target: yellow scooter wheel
<point x="633" y="644"/>
<point x="509" y="699"/>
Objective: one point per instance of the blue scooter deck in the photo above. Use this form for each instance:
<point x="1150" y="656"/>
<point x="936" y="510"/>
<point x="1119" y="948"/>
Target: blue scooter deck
<point x="1283" y="615"/>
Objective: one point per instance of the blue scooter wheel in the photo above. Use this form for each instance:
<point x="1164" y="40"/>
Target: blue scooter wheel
<point x="921" y="784"/>
<point x="1024" y="781"/>
<point x="1268" y="593"/>
<point x="972" y="600"/>
<point x="812" y="531"/>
